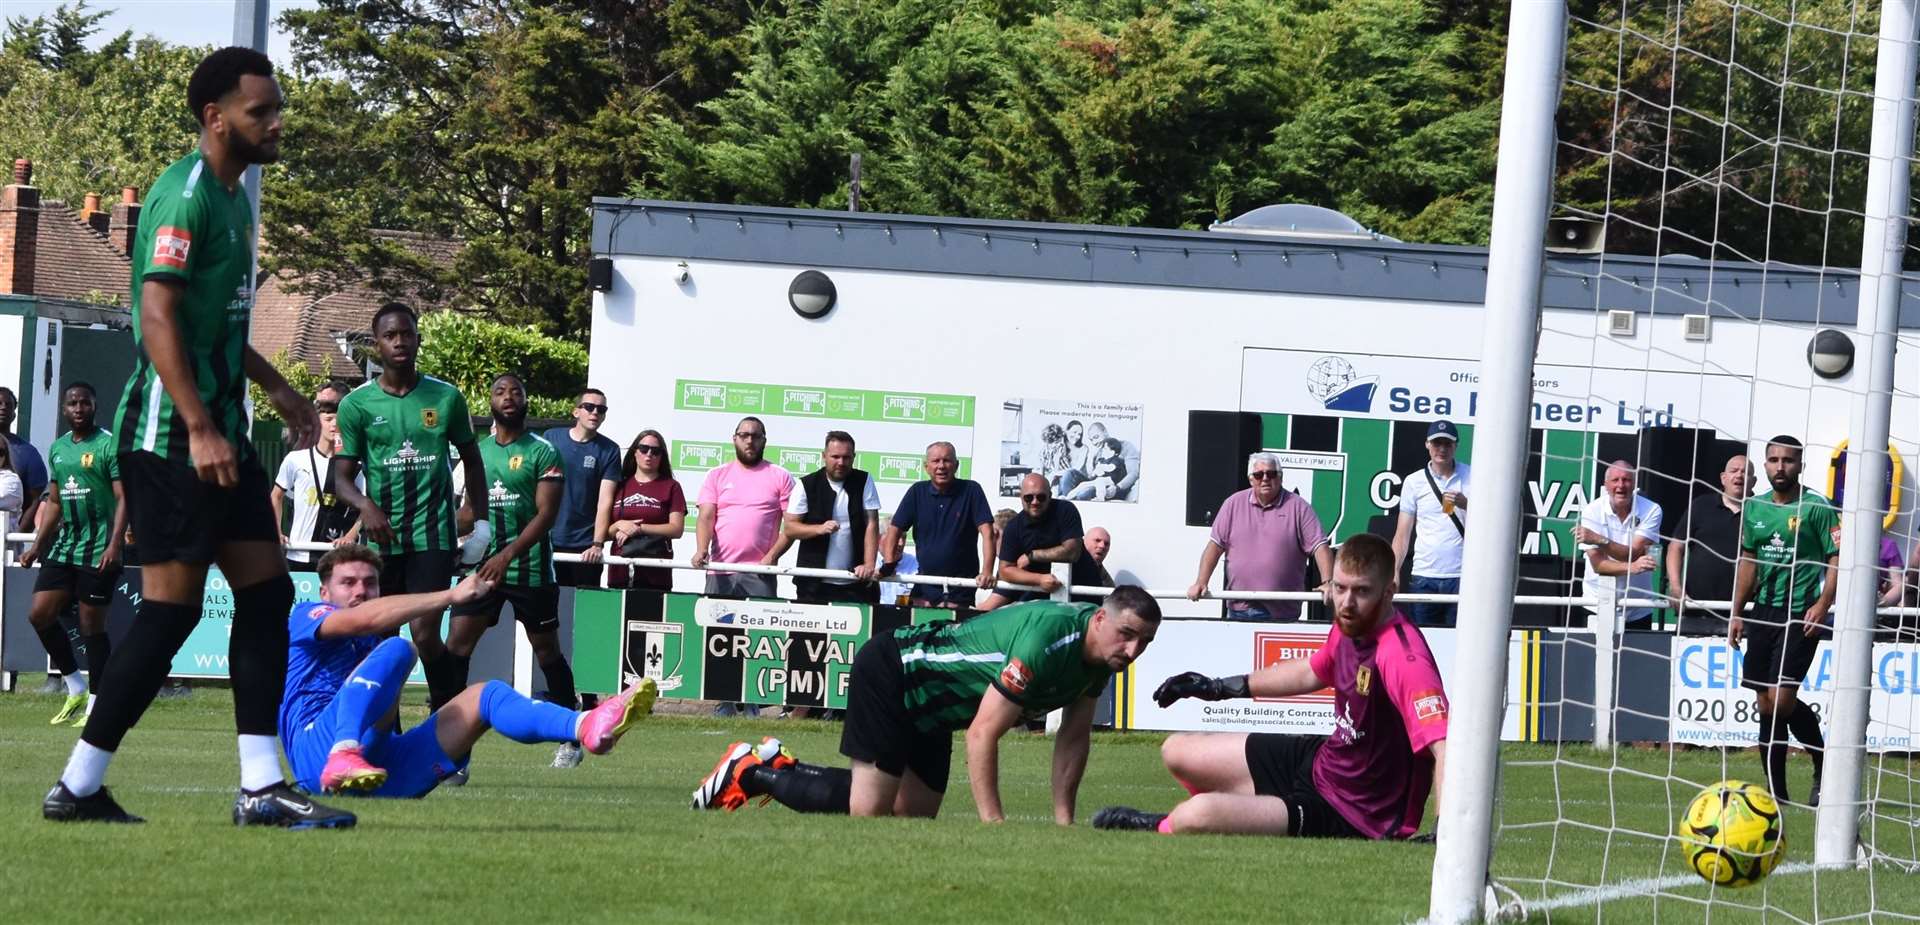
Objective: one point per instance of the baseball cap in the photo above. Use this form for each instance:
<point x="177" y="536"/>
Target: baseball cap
<point x="1443" y="430"/>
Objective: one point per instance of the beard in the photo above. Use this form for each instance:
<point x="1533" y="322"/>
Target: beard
<point x="748" y="457"/>
<point x="516" y="420"/>
<point x="250" y="153"/>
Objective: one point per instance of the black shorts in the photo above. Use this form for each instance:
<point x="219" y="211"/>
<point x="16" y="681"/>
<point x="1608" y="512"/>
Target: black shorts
<point x="1779" y="651"/>
<point x="877" y="729"/>
<point x="88" y="586"/>
<point x="537" y="609"/>
<point x="417" y="572"/>
<point x="1695" y="622"/>
<point x="178" y="518"/>
<point x="577" y="574"/>
<point x="1282" y="766"/>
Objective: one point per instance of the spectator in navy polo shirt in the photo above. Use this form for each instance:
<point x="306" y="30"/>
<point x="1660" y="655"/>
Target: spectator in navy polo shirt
<point x="952" y="531"/>
<point x="592" y="465"/>
<point x="1266" y="534"/>
<point x="1044" y="532"/>
<point x="26" y="460"/>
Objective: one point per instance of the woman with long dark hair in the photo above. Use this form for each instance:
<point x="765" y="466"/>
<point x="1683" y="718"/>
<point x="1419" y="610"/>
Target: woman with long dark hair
<point x="646" y="514"/>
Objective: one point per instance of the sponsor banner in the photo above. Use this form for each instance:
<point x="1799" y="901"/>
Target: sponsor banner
<point x="1221" y="647"/>
<point x="762" y="652"/>
<point x="1598" y="399"/>
<point x="1708" y="706"/>
<point x="1087" y="450"/>
<point x="886" y="468"/>
<point x="891" y="429"/>
<point x="836" y="404"/>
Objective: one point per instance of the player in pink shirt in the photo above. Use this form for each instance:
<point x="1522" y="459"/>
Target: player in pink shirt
<point x="1369" y="779"/>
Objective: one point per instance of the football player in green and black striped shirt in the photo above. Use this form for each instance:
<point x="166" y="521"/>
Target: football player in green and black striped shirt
<point x="79" y="542"/>
<point x="913" y="688"/>
<point x="195" y="491"/>
<point x="523" y="486"/>
<point x="398" y="429"/>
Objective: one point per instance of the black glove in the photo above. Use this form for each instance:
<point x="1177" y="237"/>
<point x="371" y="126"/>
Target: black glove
<point x="1200" y="687"/>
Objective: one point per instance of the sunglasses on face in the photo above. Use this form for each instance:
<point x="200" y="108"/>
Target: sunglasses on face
<point x="743" y="435"/>
<point x="1263" y="475"/>
<point x="648" y="449"/>
<point x="327" y="407"/>
<point x="591" y="408"/>
<point x="1029" y="499"/>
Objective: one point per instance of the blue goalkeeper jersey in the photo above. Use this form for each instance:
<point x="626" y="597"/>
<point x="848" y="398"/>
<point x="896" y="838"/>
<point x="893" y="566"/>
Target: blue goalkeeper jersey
<point x="316" y="668"/>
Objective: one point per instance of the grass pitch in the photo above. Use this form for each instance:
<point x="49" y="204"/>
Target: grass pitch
<point x="613" y="840"/>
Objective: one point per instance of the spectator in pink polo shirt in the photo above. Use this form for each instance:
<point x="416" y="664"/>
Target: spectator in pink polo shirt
<point x="1266" y="534"/>
<point x="740" y="508"/>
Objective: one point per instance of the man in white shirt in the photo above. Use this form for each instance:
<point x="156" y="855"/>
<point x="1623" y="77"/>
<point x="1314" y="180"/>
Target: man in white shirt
<point x="1617" y="532"/>
<point x="832" y="532"/>
<point x="1433" y="519"/>
<point x="318" y="516"/>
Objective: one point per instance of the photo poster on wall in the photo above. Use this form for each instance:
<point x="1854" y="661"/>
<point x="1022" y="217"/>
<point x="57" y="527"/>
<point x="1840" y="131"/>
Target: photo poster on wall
<point x="1086" y="450"/>
<point x="891" y="429"/>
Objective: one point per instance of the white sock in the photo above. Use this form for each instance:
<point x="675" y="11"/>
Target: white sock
<point x="344" y="744"/>
<point x="74" y="684"/>
<point x="260" y="762"/>
<point x="86" y="768"/>
<point x="90" y="700"/>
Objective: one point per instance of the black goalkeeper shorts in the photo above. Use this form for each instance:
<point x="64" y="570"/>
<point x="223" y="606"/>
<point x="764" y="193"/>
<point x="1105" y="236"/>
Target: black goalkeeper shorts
<point x="1282" y="766"/>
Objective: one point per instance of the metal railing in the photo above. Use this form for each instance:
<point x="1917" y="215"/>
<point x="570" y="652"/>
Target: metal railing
<point x="1605" y="620"/>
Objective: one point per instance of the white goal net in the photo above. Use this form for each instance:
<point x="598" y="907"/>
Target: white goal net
<point x="1717" y="211"/>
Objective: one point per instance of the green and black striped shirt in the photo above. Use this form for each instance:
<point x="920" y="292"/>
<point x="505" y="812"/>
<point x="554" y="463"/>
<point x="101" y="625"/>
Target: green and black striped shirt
<point x="403" y="444"/>
<point x="82" y="472"/>
<point x="514" y="473"/>
<point x="194" y="231"/>
<point x="1033" y="653"/>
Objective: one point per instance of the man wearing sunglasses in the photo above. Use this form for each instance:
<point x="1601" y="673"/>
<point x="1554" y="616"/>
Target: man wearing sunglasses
<point x="1266" y="534"/>
<point x="592" y="465"/>
<point x="1044" y="532"/>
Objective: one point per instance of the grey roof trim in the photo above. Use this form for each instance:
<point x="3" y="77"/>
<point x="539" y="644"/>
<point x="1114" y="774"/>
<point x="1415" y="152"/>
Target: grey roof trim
<point x="819" y="238"/>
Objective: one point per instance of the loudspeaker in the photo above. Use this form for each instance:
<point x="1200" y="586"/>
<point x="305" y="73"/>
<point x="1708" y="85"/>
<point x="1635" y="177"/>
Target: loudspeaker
<point x="1218" y="443"/>
<point x="1574" y="235"/>
<point x="600" y="274"/>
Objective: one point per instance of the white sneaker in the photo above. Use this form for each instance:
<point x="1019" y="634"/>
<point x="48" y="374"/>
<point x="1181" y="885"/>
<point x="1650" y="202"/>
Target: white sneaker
<point x="568" y="755"/>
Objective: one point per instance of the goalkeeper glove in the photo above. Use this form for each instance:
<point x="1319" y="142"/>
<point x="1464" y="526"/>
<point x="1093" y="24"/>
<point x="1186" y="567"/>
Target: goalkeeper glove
<point x="1200" y="687"/>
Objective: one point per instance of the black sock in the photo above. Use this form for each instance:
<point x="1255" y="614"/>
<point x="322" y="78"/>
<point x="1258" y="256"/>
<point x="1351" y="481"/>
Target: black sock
<point x="257" y="654"/>
<point x="139" y="666"/>
<point x="59" y="648"/>
<point x="560" y="682"/>
<point x="1805" y="724"/>
<point x="99" y="647"/>
<point x="446" y="678"/>
<point x="1773" y="753"/>
<point x="806" y="788"/>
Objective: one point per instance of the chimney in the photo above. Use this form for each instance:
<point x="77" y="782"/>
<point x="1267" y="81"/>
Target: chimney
<point x="91" y="214"/>
<point x="19" y="230"/>
<point x="126" y="221"/>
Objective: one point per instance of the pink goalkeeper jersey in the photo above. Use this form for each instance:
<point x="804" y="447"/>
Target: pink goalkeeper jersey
<point x="1388" y="706"/>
